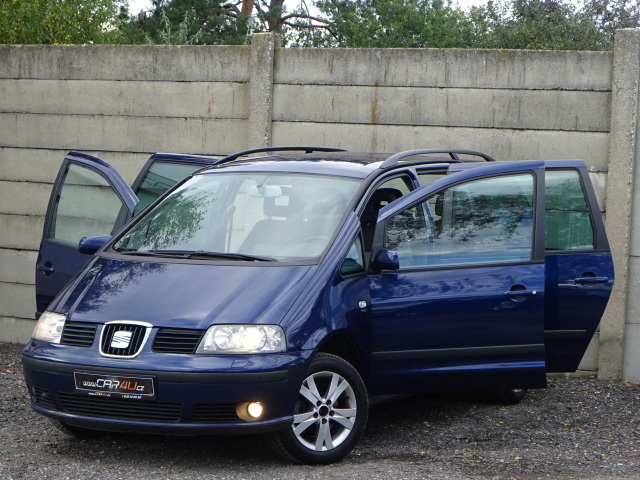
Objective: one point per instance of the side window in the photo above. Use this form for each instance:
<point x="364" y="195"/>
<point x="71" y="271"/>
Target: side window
<point x="567" y="217"/>
<point x="426" y="177"/>
<point x="87" y="205"/>
<point x="353" y="262"/>
<point x="384" y="194"/>
<point x="160" y="177"/>
<point x="483" y="221"/>
<point x="401" y="184"/>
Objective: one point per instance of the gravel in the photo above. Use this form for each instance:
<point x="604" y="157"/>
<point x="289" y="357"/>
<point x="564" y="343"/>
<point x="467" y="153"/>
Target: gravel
<point x="579" y="428"/>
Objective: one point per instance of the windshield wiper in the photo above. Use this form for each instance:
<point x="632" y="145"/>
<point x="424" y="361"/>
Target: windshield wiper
<point x="199" y="253"/>
<point x="231" y="256"/>
<point x="139" y="252"/>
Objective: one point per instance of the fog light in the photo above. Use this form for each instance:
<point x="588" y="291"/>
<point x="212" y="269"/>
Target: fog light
<point x="250" y="411"/>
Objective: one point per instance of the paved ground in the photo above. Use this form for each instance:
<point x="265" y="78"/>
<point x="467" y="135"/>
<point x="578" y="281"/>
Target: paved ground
<point x="576" y="429"/>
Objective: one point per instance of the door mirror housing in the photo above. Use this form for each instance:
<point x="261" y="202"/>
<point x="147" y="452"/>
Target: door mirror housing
<point x="90" y="245"/>
<point x="386" y="259"/>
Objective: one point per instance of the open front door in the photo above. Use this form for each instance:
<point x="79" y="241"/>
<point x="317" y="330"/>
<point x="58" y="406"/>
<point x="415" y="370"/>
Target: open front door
<point x="87" y="199"/>
<point x="465" y="307"/>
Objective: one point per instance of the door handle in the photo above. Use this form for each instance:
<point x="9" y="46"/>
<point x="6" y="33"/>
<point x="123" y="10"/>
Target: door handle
<point x="521" y="293"/>
<point x="592" y="280"/>
<point x="46" y="268"/>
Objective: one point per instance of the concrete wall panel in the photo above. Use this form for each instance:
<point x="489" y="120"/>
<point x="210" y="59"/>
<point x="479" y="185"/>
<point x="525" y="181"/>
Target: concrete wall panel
<point x="20" y="232"/>
<point x="30" y="165"/>
<point x="17" y="300"/>
<point x="42" y="165"/>
<point x="513" y="109"/>
<point x="599" y="182"/>
<point x="136" y="99"/>
<point x="16" y="330"/>
<point x="511" y="69"/>
<point x="21" y="198"/>
<point x="178" y="63"/>
<point x="589" y="361"/>
<point x="18" y="266"/>
<point x="84" y="132"/>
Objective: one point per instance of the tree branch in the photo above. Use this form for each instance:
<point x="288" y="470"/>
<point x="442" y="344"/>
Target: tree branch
<point x="307" y="26"/>
<point x="306" y="17"/>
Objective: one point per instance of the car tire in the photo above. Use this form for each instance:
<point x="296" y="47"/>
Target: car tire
<point x="77" y="432"/>
<point x="330" y="414"/>
<point x="506" y="396"/>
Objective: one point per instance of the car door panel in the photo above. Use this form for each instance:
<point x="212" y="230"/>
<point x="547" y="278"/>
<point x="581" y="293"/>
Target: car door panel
<point x="463" y="312"/>
<point x="86" y="200"/>
<point x="579" y="266"/>
<point x="58" y="258"/>
<point x="579" y="286"/>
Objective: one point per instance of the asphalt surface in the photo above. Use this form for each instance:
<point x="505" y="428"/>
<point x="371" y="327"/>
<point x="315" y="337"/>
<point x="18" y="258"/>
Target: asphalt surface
<point x="576" y="429"/>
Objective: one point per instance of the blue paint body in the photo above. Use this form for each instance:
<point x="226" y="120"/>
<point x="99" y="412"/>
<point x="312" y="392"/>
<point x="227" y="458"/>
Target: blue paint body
<point x="467" y="327"/>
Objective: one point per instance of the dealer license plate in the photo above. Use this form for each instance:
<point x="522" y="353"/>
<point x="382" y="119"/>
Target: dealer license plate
<point x="119" y="386"/>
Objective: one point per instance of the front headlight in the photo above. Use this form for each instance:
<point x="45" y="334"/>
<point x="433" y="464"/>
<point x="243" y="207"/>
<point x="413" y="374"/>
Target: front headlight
<point x="243" y="339"/>
<point x="49" y="327"/>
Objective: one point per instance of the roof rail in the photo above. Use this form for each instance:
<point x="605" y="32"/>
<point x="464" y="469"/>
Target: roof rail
<point x="454" y="154"/>
<point x="234" y="156"/>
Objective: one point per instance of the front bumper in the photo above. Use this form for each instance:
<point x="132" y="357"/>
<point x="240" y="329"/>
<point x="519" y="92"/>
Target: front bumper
<point x="195" y="394"/>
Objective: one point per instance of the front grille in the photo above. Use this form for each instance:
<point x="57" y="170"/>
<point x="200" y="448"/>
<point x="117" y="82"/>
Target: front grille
<point x="42" y="398"/>
<point x="174" y="340"/>
<point x="78" y="334"/>
<point x="121" y="409"/>
<point x="123" y="339"/>
<point x="215" y="413"/>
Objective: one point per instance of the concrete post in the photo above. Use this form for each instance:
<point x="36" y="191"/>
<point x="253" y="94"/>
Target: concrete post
<point x="623" y="143"/>
<point x="631" y="351"/>
<point x="263" y="46"/>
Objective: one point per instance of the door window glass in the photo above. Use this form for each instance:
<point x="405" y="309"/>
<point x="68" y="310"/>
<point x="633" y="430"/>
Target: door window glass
<point x="567" y="218"/>
<point x="160" y="178"/>
<point x="482" y="221"/>
<point x="87" y="205"/>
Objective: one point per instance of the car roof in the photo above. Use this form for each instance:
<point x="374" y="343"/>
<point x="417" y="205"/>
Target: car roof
<point x="340" y="163"/>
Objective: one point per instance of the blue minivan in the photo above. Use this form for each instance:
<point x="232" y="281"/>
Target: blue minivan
<point x="277" y="293"/>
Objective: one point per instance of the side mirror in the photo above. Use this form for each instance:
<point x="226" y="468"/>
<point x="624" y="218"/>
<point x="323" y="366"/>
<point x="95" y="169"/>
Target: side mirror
<point x="386" y="259"/>
<point x="90" y="245"/>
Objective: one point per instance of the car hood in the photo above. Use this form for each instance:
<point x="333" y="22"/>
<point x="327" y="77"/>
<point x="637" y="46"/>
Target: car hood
<point x="183" y="295"/>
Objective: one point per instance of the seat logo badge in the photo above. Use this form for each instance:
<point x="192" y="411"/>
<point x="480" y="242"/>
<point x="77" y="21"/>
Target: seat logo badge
<point x="121" y="339"/>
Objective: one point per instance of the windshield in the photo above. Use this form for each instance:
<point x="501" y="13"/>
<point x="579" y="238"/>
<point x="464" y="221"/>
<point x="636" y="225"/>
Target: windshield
<point x="244" y="216"/>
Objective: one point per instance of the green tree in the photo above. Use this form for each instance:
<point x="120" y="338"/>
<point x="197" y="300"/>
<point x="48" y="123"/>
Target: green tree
<point x="540" y="25"/>
<point x="59" y="21"/>
<point x="610" y="15"/>
<point x="217" y="22"/>
<point x="203" y="22"/>
<point x="397" y="23"/>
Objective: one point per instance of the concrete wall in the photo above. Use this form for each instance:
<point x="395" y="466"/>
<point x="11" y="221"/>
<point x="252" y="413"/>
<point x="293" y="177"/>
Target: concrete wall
<point x="122" y="103"/>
